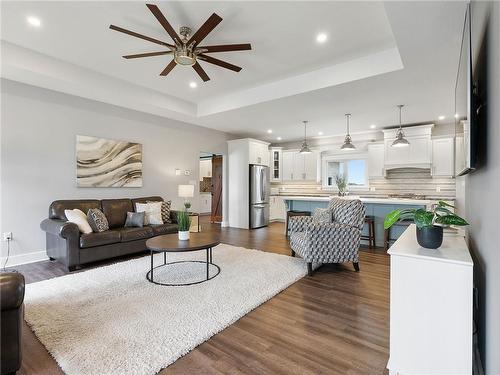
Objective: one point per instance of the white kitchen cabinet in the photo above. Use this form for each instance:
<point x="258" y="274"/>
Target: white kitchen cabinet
<point x="376" y="160"/>
<point x="417" y="154"/>
<point x="299" y="167"/>
<point x="205" y="203"/>
<point x="287" y="165"/>
<point x="311" y="166"/>
<point x="258" y="152"/>
<point x="443" y="157"/>
<point x="430" y="317"/>
<point x="277" y="210"/>
<point x="276" y="163"/>
<point x="205" y="168"/>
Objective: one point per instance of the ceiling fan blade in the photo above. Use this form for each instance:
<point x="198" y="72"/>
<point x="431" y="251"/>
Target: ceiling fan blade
<point x="137" y="35"/>
<point x="205" y="29"/>
<point x="204" y="76"/>
<point x="148" y="54"/>
<point x="218" y="62"/>
<point x="169" y="68"/>
<point x="226" y="48"/>
<point x="163" y="21"/>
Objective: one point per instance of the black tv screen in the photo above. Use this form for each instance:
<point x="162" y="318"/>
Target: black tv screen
<point x="465" y="106"/>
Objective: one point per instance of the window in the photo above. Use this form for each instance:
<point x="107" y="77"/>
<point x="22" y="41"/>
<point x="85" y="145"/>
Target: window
<point x="353" y="169"/>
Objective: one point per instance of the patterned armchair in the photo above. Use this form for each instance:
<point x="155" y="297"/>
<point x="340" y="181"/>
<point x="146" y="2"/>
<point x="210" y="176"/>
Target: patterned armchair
<point x="331" y="235"/>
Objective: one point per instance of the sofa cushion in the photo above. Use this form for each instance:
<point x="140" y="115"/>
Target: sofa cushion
<point x="132" y="234"/>
<point x="164" y="229"/>
<point x="146" y="200"/>
<point x="56" y="209"/>
<point x="116" y="211"/>
<point x="97" y="220"/>
<point x="100" y="238"/>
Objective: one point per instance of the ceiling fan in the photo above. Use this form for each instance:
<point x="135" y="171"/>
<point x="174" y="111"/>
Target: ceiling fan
<point x="186" y="50"/>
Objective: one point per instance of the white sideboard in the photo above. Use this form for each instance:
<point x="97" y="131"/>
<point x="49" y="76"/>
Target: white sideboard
<point x="431" y="307"/>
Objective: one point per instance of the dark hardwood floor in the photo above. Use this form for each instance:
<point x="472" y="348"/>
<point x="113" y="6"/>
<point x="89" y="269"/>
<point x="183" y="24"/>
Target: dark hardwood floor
<point x="335" y="322"/>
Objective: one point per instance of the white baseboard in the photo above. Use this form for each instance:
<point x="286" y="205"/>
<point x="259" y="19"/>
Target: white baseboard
<point x="16" y="260"/>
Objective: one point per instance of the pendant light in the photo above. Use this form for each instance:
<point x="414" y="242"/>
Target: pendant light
<point x="305" y="148"/>
<point x="400" y="140"/>
<point x="348" y="141"/>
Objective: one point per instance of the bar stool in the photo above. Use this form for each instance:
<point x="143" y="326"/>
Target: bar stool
<point x="291" y="213"/>
<point x="388" y="241"/>
<point x="370" y="220"/>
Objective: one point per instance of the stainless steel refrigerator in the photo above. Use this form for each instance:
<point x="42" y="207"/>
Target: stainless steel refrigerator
<point x="259" y="196"/>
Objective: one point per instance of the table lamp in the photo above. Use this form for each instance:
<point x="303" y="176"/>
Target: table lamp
<point x="186" y="191"/>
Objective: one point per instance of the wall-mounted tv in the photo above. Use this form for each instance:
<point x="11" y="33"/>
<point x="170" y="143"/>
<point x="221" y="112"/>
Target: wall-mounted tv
<point x="465" y="106"/>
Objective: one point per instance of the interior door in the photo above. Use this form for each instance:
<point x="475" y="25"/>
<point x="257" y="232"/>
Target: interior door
<point x="216" y="209"/>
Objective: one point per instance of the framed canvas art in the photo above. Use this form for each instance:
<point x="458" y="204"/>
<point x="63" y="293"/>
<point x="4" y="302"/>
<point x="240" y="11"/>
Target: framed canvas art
<point x="104" y="162"/>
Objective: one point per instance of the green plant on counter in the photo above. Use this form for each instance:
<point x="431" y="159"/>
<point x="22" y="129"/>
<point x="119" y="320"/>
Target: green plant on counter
<point x="183" y="221"/>
<point x="341" y="182"/>
<point x="439" y="216"/>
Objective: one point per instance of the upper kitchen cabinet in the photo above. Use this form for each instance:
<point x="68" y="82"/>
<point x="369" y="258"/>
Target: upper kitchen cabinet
<point x="419" y="152"/>
<point x="300" y="167"/>
<point x="276" y="164"/>
<point x="443" y="151"/>
<point x="258" y="152"/>
<point x="205" y="168"/>
<point x="376" y="160"/>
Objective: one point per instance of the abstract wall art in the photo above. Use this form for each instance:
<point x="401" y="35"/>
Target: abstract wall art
<point x="107" y="163"/>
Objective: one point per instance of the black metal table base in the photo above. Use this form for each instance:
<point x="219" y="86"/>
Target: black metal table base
<point x="208" y="262"/>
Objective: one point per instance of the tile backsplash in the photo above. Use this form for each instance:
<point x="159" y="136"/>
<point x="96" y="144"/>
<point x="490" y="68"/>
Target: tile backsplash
<point x="398" y="181"/>
<point x="206" y="185"/>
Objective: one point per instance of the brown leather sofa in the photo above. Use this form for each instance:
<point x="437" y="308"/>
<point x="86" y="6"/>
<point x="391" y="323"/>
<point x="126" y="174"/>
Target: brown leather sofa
<point x="12" y="316"/>
<point x="66" y="244"/>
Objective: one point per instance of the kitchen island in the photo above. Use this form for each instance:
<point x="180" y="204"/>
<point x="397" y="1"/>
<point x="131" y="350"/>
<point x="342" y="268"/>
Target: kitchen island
<point x="375" y="206"/>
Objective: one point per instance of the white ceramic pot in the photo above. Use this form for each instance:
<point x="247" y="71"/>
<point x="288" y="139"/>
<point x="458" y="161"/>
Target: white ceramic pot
<point x="184" y="235"/>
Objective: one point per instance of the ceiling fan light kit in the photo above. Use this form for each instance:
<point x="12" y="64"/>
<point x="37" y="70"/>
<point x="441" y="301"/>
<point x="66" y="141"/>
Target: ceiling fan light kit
<point x="185" y="50"/>
<point x="348" y="145"/>
<point x="400" y="140"/>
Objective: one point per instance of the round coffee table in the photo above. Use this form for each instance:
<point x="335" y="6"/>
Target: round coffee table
<point x="170" y="243"/>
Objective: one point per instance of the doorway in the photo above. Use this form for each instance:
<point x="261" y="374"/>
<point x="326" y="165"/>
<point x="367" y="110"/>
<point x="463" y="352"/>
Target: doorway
<point x="211" y="182"/>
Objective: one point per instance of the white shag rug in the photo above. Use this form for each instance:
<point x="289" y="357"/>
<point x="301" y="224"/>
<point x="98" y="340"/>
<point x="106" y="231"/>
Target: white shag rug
<point x="111" y="320"/>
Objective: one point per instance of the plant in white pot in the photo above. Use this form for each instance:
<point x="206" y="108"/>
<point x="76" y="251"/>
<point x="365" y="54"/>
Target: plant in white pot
<point x="429" y="223"/>
<point x="183" y="222"/>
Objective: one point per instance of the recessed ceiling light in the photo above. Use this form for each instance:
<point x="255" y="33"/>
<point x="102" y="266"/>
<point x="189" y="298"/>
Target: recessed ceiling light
<point x="279" y="138"/>
<point x="34" y="21"/>
<point x="193" y="85"/>
<point x="321" y="38"/>
<point x="441" y="118"/>
<point x="373" y="126"/>
<point x="269" y="131"/>
<point x="456" y="115"/>
<point x="320" y="133"/>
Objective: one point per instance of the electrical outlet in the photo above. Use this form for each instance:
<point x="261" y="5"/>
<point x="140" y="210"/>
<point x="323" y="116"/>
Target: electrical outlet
<point x="7" y="236"/>
<point x="438" y="189"/>
<point x="187" y="172"/>
<point x="372" y="188"/>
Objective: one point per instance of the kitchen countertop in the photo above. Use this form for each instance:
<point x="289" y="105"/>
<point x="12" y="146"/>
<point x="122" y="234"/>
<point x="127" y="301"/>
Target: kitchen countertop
<point x="402" y="201"/>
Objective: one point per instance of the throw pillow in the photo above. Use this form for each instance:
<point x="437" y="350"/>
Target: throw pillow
<point x="97" y="220"/>
<point x="135" y="219"/>
<point x="322" y="215"/>
<point x="79" y="218"/>
<point x="165" y="212"/>
<point x="152" y="212"/>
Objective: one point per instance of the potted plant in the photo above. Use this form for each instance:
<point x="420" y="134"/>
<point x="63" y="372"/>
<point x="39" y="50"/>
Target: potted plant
<point x="341" y="182"/>
<point x="184" y="222"/>
<point x="429" y="223"/>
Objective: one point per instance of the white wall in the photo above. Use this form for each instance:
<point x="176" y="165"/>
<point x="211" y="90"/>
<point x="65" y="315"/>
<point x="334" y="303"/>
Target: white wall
<point x="482" y="204"/>
<point x="38" y="134"/>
